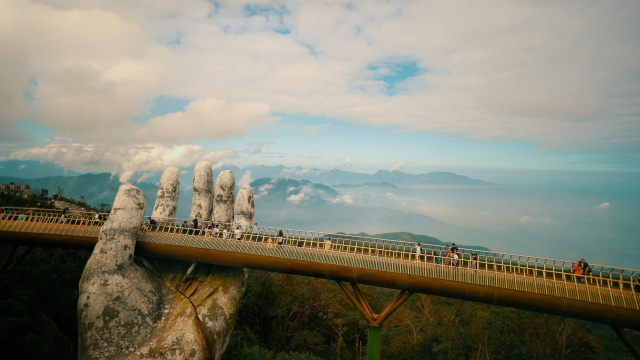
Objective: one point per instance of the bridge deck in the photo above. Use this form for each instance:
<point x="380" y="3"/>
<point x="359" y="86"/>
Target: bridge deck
<point x="544" y="285"/>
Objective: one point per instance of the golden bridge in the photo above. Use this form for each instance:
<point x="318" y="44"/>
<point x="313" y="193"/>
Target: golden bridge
<point x="606" y="295"/>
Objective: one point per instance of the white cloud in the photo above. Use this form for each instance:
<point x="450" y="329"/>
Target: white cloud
<point x="344" y="199"/>
<point x="403" y="204"/>
<point x="21" y="167"/>
<point x="124" y="160"/>
<point x="264" y="189"/>
<point x="245" y="180"/>
<point x="296" y="198"/>
<point x="526" y="218"/>
<point x="390" y="195"/>
<point x="398" y="165"/>
<point x="486" y="213"/>
<point x="97" y="64"/>
<point x="290" y="189"/>
<point x="603" y="206"/>
<point x="210" y="119"/>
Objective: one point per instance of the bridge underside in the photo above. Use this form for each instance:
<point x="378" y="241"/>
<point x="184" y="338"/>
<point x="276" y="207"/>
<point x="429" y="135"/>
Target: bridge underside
<point x="614" y="316"/>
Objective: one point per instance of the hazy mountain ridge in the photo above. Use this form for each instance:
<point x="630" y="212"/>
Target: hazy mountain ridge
<point x="383" y="184"/>
<point x="295" y="204"/>
<point x="422" y="239"/>
<point x="34" y="169"/>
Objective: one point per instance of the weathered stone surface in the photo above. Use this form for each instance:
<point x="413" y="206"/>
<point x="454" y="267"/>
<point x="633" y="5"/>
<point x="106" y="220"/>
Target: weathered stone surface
<point x="202" y="203"/>
<point x="168" y="192"/>
<point x="225" y="197"/>
<point x="245" y="207"/>
<point x="130" y="311"/>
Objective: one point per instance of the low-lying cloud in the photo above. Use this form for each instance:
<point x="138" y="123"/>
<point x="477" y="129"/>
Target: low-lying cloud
<point x="125" y="160"/>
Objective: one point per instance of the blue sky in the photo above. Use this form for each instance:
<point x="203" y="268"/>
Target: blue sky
<point x="361" y="86"/>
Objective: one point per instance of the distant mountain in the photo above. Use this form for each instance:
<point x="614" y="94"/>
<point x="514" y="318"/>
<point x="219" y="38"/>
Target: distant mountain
<point x="423" y="239"/>
<point x="27" y="169"/>
<point x="96" y="188"/>
<point x="432" y="178"/>
<point x="331" y="177"/>
<point x="383" y="184"/>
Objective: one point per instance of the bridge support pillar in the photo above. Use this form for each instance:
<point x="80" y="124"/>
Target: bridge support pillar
<point x="374" y="321"/>
<point x="622" y="334"/>
<point x="373" y="342"/>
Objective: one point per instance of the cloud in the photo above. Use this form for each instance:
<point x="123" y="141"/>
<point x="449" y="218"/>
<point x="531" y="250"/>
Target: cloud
<point x="344" y="199"/>
<point x="390" y="195"/>
<point x="296" y="198"/>
<point x="21" y="167"/>
<point x="245" y="180"/>
<point x="526" y="219"/>
<point x="403" y="204"/>
<point x="484" y="73"/>
<point x="125" y="160"/>
<point x="209" y="119"/>
<point x="603" y="206"/>
<point x="264" y="189"/>
<point x="398" y="165"/>
<point x="486" y="213"/>
<point x="314" y="128"/>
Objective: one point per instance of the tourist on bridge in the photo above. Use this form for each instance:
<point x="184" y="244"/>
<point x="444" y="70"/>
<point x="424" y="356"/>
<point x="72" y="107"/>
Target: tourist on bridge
<point x="456" y="259"/>
<point x="196" y="230"/>
<point x="577" y="270"/>
<point x="83" y="220"/>
<point x="437" y="259"/>
<point x="447" y="255"/>
<point x="255" y="232"/>
<point x="280" y="236"/>
<point x="225" y="233"/>
<point x="208" y="229"/>
<point x="327" y="243"/>
<point x="64" y="216"/>
<point x="216" y="232"/>
<point x="586" y="269"/>
<point x="418" y="250"/>
<point x="238" y="233"/>
<point x="474" y="263"/>
<point x="152" y="223"/>
<point x="97" y="218"/>
<point x="454" y="248"/>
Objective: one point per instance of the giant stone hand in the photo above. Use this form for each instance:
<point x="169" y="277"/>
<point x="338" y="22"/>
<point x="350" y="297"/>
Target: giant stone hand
<point x="163" y="309"/>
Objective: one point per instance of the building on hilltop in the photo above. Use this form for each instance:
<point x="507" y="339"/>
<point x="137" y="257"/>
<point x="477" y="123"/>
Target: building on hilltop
<point x="21" y="189"/>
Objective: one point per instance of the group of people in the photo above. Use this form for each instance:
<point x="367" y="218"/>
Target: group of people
<point x="98" y="219"/>
<point x="220" y="231"/>
<point x="581" y="267"/>
<point x="451" y="257"/>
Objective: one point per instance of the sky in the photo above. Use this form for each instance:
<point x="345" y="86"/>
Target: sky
<point x="136" y="86"/>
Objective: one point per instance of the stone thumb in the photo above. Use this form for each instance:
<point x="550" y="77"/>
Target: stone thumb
<point x="117" y="239"/>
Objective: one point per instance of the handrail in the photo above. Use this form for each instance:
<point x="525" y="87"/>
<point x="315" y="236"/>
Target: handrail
<point x="608" y="285"/>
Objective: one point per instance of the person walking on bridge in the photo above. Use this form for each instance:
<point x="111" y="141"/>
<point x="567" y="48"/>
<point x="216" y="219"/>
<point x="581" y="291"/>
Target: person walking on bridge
<point x="447" y="255"/>
<point x="238" y="233"/>
<point x="586" y="269"/>
<point x="280" y="236"/>
<point x="255" y="232"/>
<point x="418" y="250"/>
<point x="577" y="270"/>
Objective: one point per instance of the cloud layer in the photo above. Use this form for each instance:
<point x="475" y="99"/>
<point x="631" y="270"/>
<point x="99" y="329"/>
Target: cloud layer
<point x="563" y="74"/>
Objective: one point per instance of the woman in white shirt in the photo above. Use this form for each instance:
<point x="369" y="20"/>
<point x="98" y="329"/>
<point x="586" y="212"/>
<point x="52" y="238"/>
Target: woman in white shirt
<point x="238" y="233"/>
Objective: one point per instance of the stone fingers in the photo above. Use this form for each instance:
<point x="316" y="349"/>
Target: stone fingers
<point x="202" y="203"/>
<point x="245" y="207"/>
<point x="224" y="197"/>
<point x="168" y="193"/>
<point x="118" y="235"/>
